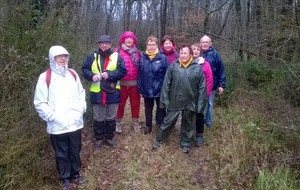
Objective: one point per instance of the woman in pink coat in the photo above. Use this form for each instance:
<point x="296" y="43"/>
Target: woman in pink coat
<point x="128" y="51"/>
<point x="209" y="85"/>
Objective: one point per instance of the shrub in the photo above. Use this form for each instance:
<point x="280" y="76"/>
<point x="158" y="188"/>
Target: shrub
<point x="231" y="76"/>
<point x="258" y="74"/>
<point x="24" y="51"/>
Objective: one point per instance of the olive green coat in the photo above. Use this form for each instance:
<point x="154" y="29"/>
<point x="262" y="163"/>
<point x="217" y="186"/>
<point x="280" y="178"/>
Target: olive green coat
<point x="184" y="88"/>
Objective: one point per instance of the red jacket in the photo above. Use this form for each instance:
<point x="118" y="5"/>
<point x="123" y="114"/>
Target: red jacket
<point x="132" y="70"/>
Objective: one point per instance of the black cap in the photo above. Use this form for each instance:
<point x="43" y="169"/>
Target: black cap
<point x="104" y="38"/>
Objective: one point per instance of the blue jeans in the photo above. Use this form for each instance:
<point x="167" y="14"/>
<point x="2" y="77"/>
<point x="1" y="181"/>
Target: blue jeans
<point x="209" y="112"/>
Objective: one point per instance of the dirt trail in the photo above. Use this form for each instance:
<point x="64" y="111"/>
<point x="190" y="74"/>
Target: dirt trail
<point x="134" y="165"/>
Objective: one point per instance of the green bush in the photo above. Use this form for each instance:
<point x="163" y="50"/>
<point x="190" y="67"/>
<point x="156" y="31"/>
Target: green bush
<point x="258" y="74"/>
<point x="275" y="78"/>
<point x="24" y="145"/>
<point x="231" y="76"/>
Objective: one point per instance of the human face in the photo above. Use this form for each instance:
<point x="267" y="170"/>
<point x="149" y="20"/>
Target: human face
<point x="129" y="42"/>
<point x="196" y="51"/>
<point x="104" y="45"/>
<point x="205" y="44"/>
<point x="151" y="46"/>
<point x="184" y="54"/>
<point x="168" y="45"/>
<point x="61" y="60"/>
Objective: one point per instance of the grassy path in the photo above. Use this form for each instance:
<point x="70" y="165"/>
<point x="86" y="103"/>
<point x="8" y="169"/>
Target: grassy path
<point x="134" y="165"/>
<point x="246" y="139"/>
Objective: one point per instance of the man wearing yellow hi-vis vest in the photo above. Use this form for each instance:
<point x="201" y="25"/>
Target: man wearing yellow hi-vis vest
<point x="104" y="68"/>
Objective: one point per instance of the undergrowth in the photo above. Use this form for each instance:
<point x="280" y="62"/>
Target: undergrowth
<point x="24" y="146"/>
<point x="277" y="179"/>
<point x="253" y="143"/>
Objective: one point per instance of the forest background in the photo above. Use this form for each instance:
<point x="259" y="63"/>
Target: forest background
<point x="254" y="143"/>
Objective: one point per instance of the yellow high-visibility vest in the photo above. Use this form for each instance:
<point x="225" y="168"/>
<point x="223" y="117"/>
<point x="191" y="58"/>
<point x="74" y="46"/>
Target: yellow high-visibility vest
<point x="112" y="65"/>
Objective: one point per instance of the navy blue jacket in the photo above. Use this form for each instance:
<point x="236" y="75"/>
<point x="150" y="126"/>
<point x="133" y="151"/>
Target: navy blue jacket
<point x="116" y="75"/>
<point x="151" y="75"/>
<point x="217" y="67"/>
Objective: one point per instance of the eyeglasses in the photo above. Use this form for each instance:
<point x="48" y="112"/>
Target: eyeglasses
<point x="184" y="53"/>
<point x="151" y="45"/>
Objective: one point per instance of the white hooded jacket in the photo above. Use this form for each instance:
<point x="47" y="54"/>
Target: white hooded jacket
<point x="62" y="104"/>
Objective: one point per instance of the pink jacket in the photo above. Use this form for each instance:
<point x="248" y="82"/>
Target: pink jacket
<point x="207" y="73"/>
<point x="132" y="70"/>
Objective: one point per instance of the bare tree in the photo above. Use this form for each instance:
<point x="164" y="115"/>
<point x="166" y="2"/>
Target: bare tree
<point x="163" y="17"/>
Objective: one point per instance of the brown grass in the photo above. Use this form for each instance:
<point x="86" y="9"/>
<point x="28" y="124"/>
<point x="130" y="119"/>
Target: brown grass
<point x="134" y="165"/>
<point x="231" y="157"/>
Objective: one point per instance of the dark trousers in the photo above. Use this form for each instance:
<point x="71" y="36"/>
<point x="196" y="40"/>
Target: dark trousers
<point x="104" y="129"/>
<point x="200" y="123"/>
<point x="67" y="148"/>
<point x="160" y="112"/>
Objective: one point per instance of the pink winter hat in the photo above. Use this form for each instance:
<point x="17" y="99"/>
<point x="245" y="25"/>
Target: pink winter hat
<point x="128" y="34"/>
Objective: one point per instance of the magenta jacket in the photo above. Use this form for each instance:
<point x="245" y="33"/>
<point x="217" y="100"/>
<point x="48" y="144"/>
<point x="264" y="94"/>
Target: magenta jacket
<point x="207" y="73"/>
<point x="132" y="70"/>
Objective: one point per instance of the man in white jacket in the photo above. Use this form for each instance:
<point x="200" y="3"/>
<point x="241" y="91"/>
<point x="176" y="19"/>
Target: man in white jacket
<point x="59" y="100"/>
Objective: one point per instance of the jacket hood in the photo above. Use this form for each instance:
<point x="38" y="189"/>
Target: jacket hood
<point x="128" y="34"/>
<point x="55" y="51"/>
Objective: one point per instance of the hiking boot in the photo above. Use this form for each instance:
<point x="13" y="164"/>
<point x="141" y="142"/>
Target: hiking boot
<point x="98" y="144"/>
<point x="137" y="127"/>
<point x="186" y="149"/>
<point x="79" y="180"/>
<point x="119" y="126"/>
<point x="67" y="185"/>
<point x="155" y="145"/>
<point x="111" y="142"/>
<point x="147" y="130"/>
<point x="208" y="125"/>
<point x="199" y="139"/>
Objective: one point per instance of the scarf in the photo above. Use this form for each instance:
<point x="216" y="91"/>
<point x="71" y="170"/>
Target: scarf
<point x="167" y="52"/>
<point x="132" y="52"/>
<point x="171" y="55"/>
<point x="186" y="64"/>
<point x="152" y="55"/>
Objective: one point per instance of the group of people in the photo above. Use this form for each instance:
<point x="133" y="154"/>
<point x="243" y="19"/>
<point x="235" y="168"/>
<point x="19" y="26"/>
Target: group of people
<point x="182" y="82"/>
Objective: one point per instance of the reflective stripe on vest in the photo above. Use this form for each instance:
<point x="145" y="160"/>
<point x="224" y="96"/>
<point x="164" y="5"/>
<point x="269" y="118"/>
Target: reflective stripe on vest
<point x="112" y="65"/>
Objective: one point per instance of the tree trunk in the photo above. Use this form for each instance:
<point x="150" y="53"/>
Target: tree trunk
<point x="163" y="17"/>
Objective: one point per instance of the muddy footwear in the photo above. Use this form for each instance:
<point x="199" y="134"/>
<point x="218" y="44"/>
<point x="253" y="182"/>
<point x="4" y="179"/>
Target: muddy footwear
<point x="147" y="129"/>
<point x="119" y="126"/>
<point x="67" y="185"/>
<point x="79" y="180"/>
<point x="137" y="127"/>
<point x="98" y="144"/>
<point x="111" y="142"/>
<point x="155" y="145"/>
<point x="186" y="149"/>
<point x="199" y="139"/>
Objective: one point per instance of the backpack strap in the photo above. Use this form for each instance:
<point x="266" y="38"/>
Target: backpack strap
<point x="73" y="74"/>
<point x="48" y="76"/>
